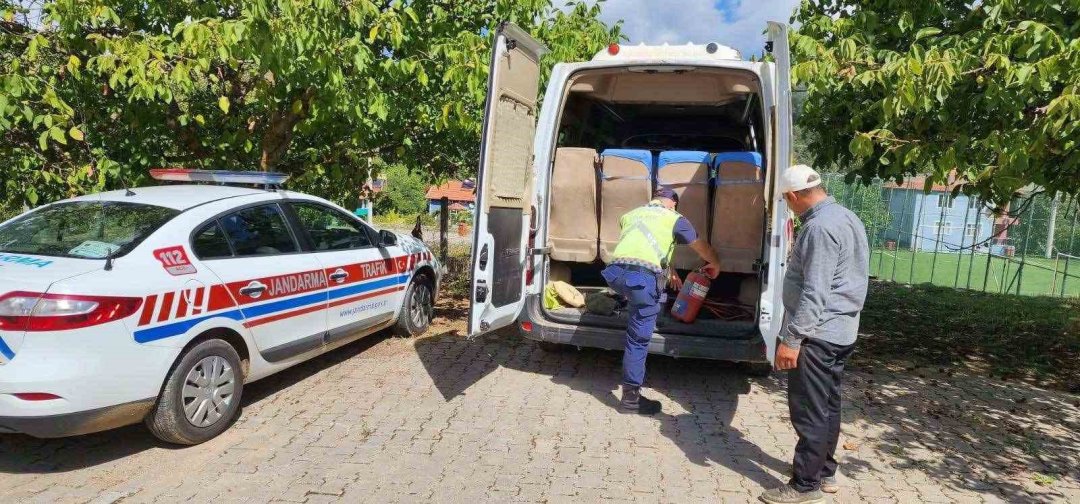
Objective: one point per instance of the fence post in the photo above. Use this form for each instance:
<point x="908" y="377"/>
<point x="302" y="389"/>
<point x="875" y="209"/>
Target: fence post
<point x="1051" y="226"/>
<point x="986" y="275"/>
<point x="963" y="236"/>
<point x="916" y="235"/>
<point x="444" y="228"/>
<point x="885" y="231"/>
<point x="900" y="230"/>
<point x="944" y="202"/>
<point x="975" y="240"/>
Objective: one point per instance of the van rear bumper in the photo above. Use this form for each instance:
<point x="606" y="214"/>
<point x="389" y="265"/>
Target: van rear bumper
<point x="674" y="345"/>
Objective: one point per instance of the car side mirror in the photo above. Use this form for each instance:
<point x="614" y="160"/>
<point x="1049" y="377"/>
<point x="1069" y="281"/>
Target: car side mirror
<point x="387" y="239"/>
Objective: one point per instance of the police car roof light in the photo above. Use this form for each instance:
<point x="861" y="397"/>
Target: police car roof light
<point x="269" y="179"/>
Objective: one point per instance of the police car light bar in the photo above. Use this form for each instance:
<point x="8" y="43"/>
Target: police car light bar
<point x="219" y="176"/>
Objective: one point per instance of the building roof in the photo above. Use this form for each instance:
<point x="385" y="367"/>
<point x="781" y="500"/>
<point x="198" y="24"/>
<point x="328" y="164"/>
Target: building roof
<point x="458" y="207"/>
<point x="453" y="190"/>
<point x="919" y="182"/>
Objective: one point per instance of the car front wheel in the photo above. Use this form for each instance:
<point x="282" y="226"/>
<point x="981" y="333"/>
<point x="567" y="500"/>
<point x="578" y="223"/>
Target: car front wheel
<point x="201" y="397"/>
<point x="419" y="308"/>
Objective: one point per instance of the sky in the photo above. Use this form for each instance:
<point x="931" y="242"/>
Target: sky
<point x="736" y="23"/>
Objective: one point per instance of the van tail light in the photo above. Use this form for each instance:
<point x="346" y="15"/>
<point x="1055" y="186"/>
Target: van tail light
<point x="613" y="49"/>
<point x="35" y="312"/>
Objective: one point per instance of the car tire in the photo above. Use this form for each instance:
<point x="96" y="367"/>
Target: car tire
<point x="201" y="396"/>
<point x="757" y="369"/>
<point x="418" y="308"/>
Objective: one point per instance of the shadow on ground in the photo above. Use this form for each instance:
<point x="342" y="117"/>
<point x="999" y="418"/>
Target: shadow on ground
<point x="965" y="432"/>
<point x="25" y="454"/>
<point x="707" y="392"/>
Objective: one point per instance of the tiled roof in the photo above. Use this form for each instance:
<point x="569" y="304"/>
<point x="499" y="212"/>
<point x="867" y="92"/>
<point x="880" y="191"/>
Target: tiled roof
<point x="457" y="207"/>
<point x="454" y="190"/>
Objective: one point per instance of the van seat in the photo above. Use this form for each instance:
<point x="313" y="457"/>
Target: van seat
<point x="738" y="219"/>
<point x="625" y="184"/>
<point x="687" y="173"/>
<point x="573" y="229"/>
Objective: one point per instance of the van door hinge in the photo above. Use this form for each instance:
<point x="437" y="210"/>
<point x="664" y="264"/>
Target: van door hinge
<point x="541" y="251"/>
<point x="761" y="267"/>
<point x="769" y="46"/>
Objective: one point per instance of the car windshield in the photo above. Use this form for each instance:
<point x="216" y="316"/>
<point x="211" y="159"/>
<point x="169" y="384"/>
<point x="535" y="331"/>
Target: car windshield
<point x="83" y="229"/>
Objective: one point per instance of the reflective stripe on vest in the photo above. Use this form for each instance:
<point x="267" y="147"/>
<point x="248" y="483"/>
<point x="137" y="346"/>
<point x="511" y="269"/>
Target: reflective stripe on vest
<point x="647" y="235"/>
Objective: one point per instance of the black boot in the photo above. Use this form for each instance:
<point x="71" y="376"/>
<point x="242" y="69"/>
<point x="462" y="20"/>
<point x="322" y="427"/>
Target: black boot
<point x="632" y="402"/>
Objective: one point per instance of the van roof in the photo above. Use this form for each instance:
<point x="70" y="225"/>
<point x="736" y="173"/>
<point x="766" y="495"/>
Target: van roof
<point x="711" y="51"/>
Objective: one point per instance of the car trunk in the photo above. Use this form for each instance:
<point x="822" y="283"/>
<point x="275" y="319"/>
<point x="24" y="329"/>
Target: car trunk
<point x="623" y="132"/>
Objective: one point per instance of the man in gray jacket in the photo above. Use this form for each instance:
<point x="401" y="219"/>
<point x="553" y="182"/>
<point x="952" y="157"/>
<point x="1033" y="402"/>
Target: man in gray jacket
<point x="824" y="290"/>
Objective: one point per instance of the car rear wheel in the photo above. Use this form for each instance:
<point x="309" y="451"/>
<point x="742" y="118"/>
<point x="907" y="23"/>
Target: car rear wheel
<point x="419" y="308"/>
<point x="201" y="397"/>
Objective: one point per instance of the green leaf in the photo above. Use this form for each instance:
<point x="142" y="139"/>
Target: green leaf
<point x="76" y="134"/>
<point x="200" y="119"/>
<point x="58" y="134"/>
<point x="43" y="140"/>
<point x="374" y="32"/>
<point x="929" y="31"/>
<point x="223" y="104"/>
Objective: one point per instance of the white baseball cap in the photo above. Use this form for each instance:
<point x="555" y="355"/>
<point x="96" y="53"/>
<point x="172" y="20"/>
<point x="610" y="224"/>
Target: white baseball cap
<point x="799" y="177"/>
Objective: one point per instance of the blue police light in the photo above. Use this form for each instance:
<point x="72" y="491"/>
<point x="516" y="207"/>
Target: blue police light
<point x="219" y="176"/>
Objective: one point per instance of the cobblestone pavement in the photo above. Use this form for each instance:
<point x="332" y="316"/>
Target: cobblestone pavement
<point x="441" y="419"/>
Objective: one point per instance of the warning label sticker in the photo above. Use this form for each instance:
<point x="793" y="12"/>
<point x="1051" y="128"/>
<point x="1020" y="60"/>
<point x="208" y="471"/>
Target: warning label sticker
<point x="175" y="260"/>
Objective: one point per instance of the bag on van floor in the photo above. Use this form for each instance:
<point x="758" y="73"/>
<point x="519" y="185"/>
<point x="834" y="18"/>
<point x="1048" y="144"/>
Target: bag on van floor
<point x="604" y="302"/>
<point x="558" y="294"/>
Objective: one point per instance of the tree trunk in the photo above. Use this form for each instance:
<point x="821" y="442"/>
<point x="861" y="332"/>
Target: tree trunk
<point x="279" y="133"/>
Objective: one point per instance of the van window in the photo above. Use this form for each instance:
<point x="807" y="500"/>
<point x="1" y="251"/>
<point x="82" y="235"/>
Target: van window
<point x="259" y="230"/>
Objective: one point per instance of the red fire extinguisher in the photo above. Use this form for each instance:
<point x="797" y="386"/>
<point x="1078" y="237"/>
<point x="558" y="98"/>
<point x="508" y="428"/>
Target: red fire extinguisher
<point x="691" y="297"/>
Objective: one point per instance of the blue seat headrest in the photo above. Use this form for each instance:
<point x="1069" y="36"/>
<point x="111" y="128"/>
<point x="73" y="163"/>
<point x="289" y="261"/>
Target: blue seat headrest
<point x="739" y="157"/>
<point x="642" y="156"/>
<point x="669" y="157"/>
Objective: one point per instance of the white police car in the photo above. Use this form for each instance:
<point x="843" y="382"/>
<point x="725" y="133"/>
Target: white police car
<point x="158" y="304"/>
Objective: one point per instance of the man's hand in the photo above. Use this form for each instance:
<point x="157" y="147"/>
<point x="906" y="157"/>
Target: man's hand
<point x="712" y="270"/>
<point x="786" y="357"/>
<point x="675" y="281"/>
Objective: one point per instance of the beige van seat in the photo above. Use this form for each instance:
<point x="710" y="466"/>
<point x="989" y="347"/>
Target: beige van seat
<point x="573" y="225"/>
<point x="625" y="184"/>
<point x="738" y="219"/>
<point x="687" y="173"/>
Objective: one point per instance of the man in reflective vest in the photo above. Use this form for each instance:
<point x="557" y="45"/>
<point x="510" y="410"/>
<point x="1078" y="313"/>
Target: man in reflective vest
<point x="639" y="272"/>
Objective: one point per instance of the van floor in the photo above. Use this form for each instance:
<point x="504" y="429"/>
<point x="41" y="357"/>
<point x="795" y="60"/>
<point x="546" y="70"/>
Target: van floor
<point x="706" y="325"/>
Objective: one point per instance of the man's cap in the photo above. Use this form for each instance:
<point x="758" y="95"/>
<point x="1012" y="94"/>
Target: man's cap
<point x="799" y="177"/>
<point x="666" y="192"/>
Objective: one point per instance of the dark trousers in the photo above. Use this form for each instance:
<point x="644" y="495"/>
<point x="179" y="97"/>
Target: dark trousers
<point x="814" y="404"/>
<point x="639" y="287"/>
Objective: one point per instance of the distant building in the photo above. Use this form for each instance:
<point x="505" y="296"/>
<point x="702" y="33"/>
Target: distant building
<point x="937" y="221"/>
<point x="461" y="193"/>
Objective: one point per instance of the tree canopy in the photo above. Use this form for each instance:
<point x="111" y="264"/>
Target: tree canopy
<point x="987" y="92"/>
<point x="93" y="93"/>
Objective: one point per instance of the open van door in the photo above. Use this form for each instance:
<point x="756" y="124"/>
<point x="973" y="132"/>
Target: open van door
<point x="772" y="306"/>
<point x="505" y="186"/>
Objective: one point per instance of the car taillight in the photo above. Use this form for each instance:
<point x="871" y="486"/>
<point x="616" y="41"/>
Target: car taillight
<point x="31" y="311"/>
<point x="36" y="396"/>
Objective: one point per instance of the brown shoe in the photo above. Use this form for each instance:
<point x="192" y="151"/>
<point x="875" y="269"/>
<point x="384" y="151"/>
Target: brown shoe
<point x="830" y="485"/>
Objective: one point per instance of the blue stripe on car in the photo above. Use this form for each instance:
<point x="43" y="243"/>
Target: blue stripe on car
<point x="6" y="350"/>
<point x="183" y="326"/>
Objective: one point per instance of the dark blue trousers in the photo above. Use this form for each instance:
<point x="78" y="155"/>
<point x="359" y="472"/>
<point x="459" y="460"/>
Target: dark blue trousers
<point x="643" y="296"/>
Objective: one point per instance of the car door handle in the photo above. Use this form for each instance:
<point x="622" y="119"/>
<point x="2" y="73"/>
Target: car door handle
<point x="339" y="275"/>
<point x="254" y="289"/>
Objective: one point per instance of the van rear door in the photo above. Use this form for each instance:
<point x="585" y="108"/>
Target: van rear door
<point x="505" y="181"/>
<point x="771" y="317"/>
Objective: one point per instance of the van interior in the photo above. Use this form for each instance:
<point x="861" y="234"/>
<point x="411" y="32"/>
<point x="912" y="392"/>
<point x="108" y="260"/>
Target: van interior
<point x="699" y="131"/>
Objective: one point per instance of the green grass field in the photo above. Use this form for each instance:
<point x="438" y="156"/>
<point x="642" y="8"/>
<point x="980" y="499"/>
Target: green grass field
<point x="966" y="271"/>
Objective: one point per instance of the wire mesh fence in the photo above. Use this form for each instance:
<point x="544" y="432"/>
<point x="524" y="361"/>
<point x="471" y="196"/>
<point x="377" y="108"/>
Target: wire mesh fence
<point x="919" y="237"/>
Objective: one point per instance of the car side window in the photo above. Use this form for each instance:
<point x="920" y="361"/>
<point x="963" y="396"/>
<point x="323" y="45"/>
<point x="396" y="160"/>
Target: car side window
<point x="258" y="230"/>
<point x="210" y="242"/>
<point x="331" y="229"/>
